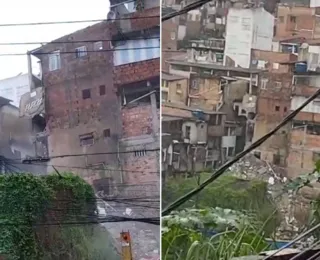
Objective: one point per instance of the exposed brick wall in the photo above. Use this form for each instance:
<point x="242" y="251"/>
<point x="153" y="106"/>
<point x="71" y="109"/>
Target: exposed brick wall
<point x="303" y="26"/>
<point x="300" y="158"/>
<point x="65" y="106"/>
<point x="137" y="121"/>
<point x="272" y="109"/>
<point x="304" y="91"/>
<point x="69" y="115"/>
<point x="137" y="71"/>
<point x="168" y="28"/>
<point x="142" y="169"/>
<point x="140" y="24"/>
<point x="279" y="57"/>
<point x="307" y="116"/>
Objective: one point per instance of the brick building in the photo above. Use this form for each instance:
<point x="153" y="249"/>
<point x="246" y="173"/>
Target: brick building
<point x="87" y="85"/>
<point x="81" y="102"/>
<point x="273" y="104"/>
<point x="297" y="20"/>
<point x="102" y="96"/>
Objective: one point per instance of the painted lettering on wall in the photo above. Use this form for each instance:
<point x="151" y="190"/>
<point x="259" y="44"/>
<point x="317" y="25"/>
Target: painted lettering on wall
<point x="34" y="104"/>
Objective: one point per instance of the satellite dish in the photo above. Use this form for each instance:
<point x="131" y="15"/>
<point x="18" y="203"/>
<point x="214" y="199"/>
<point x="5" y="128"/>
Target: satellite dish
<point x="111" y="16"/>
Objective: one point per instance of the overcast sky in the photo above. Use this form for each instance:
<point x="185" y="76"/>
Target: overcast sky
<point x="19" y="11"/>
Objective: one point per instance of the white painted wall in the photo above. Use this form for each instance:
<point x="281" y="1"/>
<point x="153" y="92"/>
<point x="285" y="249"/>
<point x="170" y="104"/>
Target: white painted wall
<point x="314" y="3"/>
<point x="193" y="131"/>
<point x="247" y="29"/>
<point x="182" y="31"/>
<point x="262" y="30"/>
<point x="134" y="51"/>
<point x="313" y="107"/>
<point x="228" y="141"/>
<point x="13" y="88"/>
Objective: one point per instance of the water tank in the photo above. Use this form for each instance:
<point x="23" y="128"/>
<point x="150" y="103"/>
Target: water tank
<point x="199" y="114"/>
<point x="301" y="67"/>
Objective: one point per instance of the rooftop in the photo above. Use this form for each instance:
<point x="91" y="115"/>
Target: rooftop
<point x="170" y="77"/>
<point x="182" y="111"/>
<point x="213" y="66"/>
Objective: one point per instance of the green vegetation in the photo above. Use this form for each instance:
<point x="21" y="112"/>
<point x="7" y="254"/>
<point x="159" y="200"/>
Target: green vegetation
<point x="239" y="235"/>
<point x="227" y="192"/>
<point x="33" y="213"/>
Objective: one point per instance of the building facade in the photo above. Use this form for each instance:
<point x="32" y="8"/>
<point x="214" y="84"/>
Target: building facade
<point x="247" y="29"/>
<point x="13" y="88"/>
<point x="101" y="99"/>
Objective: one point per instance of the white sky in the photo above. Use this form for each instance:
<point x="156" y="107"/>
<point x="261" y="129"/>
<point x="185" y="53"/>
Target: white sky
<point x="20" y="11"/>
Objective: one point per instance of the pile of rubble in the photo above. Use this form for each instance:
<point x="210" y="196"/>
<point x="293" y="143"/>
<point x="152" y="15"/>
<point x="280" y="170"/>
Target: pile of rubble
<point x="250" y="167"/>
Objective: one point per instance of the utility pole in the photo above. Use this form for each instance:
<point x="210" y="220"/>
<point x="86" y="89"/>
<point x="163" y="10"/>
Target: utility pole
<point x="126" y="251"/>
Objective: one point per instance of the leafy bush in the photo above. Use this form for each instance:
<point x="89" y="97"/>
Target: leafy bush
<point x="227" y="192"/>
<point x="33" y="213"/>
<point x="185" y="235"/>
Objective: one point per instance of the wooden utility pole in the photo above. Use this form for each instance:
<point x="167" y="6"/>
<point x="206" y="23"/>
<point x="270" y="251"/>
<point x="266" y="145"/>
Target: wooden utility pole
<point x="126" y="251"/>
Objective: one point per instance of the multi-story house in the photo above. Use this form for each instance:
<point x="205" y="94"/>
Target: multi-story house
<point x="17" y="139"/>
<point x="273" y="103"/>
<point x="101" y="93"/>
<point x="13" y="88"/>
<point x="304" y="137"/>
<point x="247" y="29"/>
<point x="297" y="18"/>
<point x="192" y="139"/>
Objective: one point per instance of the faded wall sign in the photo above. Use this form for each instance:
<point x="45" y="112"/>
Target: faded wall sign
<point x="32" y="103"/>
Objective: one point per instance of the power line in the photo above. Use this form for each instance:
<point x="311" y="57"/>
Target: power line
<point x="73" y="42"/>
<point x="77" y="21"/>
<point x="185" y="10"/>
<point x="84" y="168"/>
<point x="104" y="153"/>
<point x="226" y="166"/>
<point x="74" y="52"/>
<point x="155" y="221"/>
<point x="293" y="241"/>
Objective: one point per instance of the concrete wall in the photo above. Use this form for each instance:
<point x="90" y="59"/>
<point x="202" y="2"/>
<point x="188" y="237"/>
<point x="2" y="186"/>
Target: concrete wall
<point x="13" y="88"/>
<point x="312" y="107"/>
<point x="303" y="148"/>
<point x="247" y="29"/>
<point x="176" y="96"/>
<point x="16" y="143"/>
<point x="207" y="92"/>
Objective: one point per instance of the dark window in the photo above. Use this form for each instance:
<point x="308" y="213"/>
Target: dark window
<point x="276" y="159"/>
<point x="86" y="139"/>
<point x="102" y="90"/>
<point x="106" y="133"/>
<point x="285" y="109"/>
<point x="316" y="157"/>
<point x="86" y="94"/>
<point x="230" y="151"/>
<point x="140" y="153"/>
<point x="188" y="132"/>
<point x="257" y="154"/>
<point x="81" y="51"/>
<point x="277" y="108"/>
<point x="293" y="19"/>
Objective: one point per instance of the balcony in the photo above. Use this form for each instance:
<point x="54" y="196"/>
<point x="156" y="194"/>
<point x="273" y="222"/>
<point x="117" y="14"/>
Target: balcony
<point x="211" y="43"/>
<point x="215" y="130"/>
